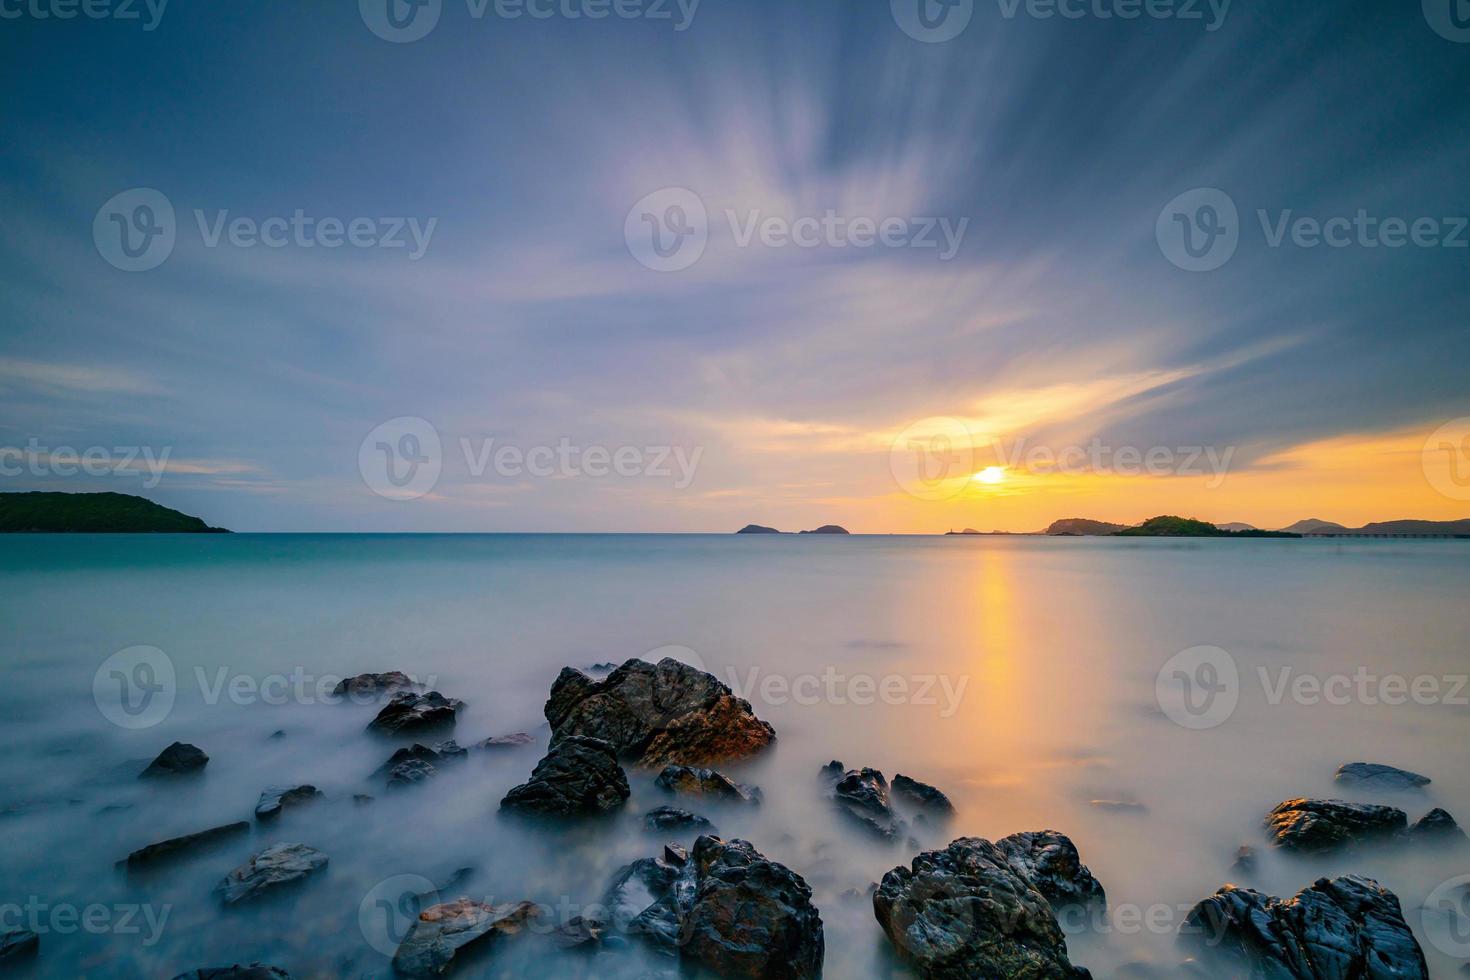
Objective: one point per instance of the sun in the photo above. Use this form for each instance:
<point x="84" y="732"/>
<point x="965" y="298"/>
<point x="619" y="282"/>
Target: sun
<point x="991" y="475"/>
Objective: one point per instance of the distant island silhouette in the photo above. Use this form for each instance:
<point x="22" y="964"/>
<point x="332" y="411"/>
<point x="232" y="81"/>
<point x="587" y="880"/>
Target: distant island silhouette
<point x="93" y="513"/>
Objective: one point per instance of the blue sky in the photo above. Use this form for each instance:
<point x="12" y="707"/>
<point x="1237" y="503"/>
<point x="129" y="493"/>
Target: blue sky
<point x="528" y="320"/>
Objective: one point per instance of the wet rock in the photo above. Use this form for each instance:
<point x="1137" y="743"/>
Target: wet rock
<point x="449" y="749"/>
<point x="675" y="854"/>
<point x="728" y="910"/>
<point x="178" y="846"/>
<point x="413" y="753"/>
<point x="443" y="932"/>
<point x="862" y="796"/>
<point x="833" y="771"/>
<point x="279" y="733"/>
<point x="1437" y="826"/>
<point x="178" y="759"/>
<point x="1372" y="776"/>
<point x="579" y="776"/>
<point x="1245" y="860"/>
<point x="276" y="867"/>
<point x="277" y="798"/>
<point x="1050" y="862"/>
<point x="580" y="932"/>
<point x="926" y="798"/>
<point x="17" y="945"/>
<point x="374" y="685"/>
<point x="514" y="741"/>
<point x="666" y="818"/>
<point x="705" y="782"/>
<point x="1313" y="826"/>
<point x="1347" y="927"/>
<point x="669" y="713"/>
<point x="410" y="772"/>
<point x="965" y="912"/>
<point x="410" y="713"/>
<point x="255" y="971"/>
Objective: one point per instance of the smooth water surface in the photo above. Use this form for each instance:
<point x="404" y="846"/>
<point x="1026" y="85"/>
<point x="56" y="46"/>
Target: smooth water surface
<point x="1016" y="673"/>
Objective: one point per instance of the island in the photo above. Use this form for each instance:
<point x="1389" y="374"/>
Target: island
<point x="1082" y="527"/>
<point x="1187" y="527"/>
<point x="44" y="512"/>
<point x="757" y="529"/>
<point x="828" y="529"/>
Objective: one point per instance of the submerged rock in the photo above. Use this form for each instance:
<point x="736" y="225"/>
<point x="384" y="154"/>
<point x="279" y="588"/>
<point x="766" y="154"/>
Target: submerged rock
<point x="1371" y="775"/>
<point x="1314" y="826"/>
<point x="178" y="759"/>
<point x="513" y="741"/>
<point x="277" y="866"/>
<point x="411" y="713"/>
<point x="1245" y="860"/>
<point x="965" y="912"/>
<point x="664" y="818"/>
<point x="373" y="685"/>
<point x="1436" y="826"/>
<point x="705" y="782"/>
<point x="579" y="776"/>
<point x="926" y="798"/>
<point x="255" y="971"/>
<point x="1050" y="862"/>
<point x="177" y="846"/>
<point x="442" y="932"/>
<point x="277" y="798"/>
<point x="727" y="909"/>
<point x="1347" y="927"/>
<point x="17" y="945"/>
<point x="410" y="772"/>
<point x="669" y="713"/>
<point x="862" y="796"/>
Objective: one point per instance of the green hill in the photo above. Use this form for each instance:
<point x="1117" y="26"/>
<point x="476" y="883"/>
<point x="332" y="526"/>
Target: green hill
<point x="1188" y="527"/>
<point x="93" y="513"/>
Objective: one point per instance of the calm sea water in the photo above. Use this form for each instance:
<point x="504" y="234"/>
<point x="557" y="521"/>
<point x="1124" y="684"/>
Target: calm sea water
<point x="1017" y="674"/>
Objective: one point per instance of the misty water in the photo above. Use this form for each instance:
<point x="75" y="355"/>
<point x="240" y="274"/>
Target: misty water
<point x="1019" y="675"/>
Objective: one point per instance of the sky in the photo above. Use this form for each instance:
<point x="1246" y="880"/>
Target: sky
<point x="989" y="267"/>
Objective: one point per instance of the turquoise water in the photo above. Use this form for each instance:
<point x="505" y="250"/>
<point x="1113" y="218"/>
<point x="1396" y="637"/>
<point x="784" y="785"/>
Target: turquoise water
<point x="1017" y="674"/>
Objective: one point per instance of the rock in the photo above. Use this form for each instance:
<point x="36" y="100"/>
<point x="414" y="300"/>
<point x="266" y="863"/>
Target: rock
<point x="361" y="799"/>
<point x="705" y="782"/>
<point x="178" y="759"/>
<point x="420" y="753"/>
<point x="728" y="910"/>
<point x="926" y="798"/>
<point x="965" y="912"/>
<point x="579" y="776"/>
<point x="277" y="866"/>
<point x="374" y="685"/>
<point x="442" y="932"/>
<point x="1436" y="825"/>
<point x="675" y="854"/>
<point x="1050" y="862"/>
<point x="833" y="771"/>
<point x="1372" y="776"/>
<point x="410" y="772"/>
<point x="1245" y="860"/>
<point x="1348" y="927"/>
<point x="17" y="945"/>
<point x="411" y="713"/>
<point x="669" y="713"/>
<point x="255" y="971"/>
<point x="862" y="795"/>
<point x="176" y="846"/>
<point x="277" y="798"/>
<point x="579" y="932"/>
<point x="279" y="733"/>
<point x="665" y="818"/>
<point x="450" y="749"/>
<point x="514" y="741"/>
<point x="1314" y="826"/>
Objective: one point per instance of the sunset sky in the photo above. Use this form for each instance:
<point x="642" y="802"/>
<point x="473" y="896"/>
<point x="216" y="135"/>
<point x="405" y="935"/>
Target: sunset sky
<point x="793" y="381"/>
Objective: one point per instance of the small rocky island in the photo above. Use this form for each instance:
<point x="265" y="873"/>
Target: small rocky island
<point x="762" y="529"/>
<point x="41" y="512"/>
